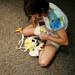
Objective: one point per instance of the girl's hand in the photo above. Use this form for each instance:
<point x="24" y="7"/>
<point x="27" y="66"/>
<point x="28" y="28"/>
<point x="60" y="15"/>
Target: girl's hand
<point x="43" y="36"/>
<point x="35" y="18"/>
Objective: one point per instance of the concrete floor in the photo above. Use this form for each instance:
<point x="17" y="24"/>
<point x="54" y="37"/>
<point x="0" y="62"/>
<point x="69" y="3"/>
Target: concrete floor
<point x="15" y="62"/>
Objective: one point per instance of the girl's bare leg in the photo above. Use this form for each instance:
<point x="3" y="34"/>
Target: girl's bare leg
<point x="47" y="55"/>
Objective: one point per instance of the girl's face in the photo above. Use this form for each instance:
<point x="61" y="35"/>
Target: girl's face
<point x="36" y="18"/>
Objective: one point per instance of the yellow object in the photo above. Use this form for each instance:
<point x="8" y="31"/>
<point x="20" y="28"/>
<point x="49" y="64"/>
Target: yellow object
<point x="30" y="44"/>
<point x="42" y="29"/>
<point x="19" y="30"/>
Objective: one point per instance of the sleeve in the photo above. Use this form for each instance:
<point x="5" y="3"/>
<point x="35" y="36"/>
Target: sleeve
<point x="61" y="15"/>
<point x="56" y="18"/>
<point x="57" y="24"/>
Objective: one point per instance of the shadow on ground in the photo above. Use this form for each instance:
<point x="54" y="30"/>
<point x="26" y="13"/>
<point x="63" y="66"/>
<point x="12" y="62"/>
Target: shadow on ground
<point x="15" y="62"/>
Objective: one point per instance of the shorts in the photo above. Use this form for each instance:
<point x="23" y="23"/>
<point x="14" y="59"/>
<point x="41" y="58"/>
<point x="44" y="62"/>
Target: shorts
<point x="53" y="44"/>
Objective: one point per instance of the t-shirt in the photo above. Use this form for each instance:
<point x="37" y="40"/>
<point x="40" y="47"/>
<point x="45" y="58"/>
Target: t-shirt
<point x="56" y="19"/>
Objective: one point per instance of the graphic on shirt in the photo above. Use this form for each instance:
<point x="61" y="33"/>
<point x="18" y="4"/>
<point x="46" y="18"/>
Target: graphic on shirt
<point x="55" y="22"/>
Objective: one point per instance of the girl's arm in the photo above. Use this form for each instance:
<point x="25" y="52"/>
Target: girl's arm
<point x="29" y="30"/>
<point x="62" y="38"/>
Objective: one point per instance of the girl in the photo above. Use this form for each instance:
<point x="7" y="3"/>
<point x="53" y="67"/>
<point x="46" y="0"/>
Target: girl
<point x="55" y="22"/>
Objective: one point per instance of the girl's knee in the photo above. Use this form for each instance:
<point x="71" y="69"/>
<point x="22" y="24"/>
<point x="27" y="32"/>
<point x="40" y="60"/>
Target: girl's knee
<point x="43" y="63"/>
<point x="46" y="58"/>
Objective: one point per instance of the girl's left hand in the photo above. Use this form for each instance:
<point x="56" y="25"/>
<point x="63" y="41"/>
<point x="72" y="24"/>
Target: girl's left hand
<point x="43" y="36"/>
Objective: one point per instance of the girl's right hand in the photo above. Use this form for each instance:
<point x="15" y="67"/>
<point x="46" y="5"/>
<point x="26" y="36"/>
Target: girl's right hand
<point x="43" y="36"/>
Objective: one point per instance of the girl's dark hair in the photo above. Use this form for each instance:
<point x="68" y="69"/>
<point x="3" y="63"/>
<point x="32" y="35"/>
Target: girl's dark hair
<point x="35" y="7"/>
